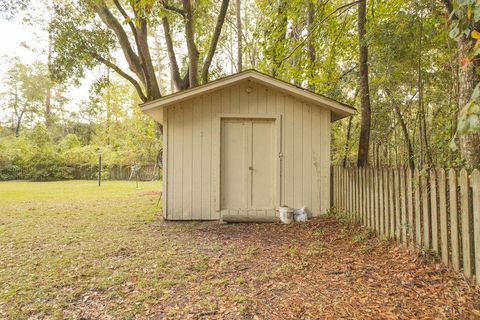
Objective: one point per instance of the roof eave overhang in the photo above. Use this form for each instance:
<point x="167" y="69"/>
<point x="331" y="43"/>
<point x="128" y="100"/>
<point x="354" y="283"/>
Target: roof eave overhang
<point x="339" y="110"/>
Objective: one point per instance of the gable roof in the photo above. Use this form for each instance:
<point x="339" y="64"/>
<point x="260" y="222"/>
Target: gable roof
<point x="339" y="110"/>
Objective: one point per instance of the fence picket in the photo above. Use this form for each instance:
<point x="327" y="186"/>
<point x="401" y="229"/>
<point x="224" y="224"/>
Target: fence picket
<point x="410" y="227"/>
<point x="465" y="216"/>
<point x="342" y="192"/>
<point x="380" y="201"/>
<point x="433" y="210"/>
<point x="418" y="212"/>
<point x="335" y="186"/>
<point x="350" y="189"/>
<point x="452" y="195"/>
<point x="426" y="210"/>
<point x="391" y="202"/>
<point x="362" y="197"/>
<point x="370" y="222"/>
<point x="442" y="205"/>
<point x="376" y="199"/>
<point x="476" y="220"/>
<point x="386" y="203"/>
<point x="420" y="209"/>
<point x="397" y="211"/>
<point x="403" y="207"/>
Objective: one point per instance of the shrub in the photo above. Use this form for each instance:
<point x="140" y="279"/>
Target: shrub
<point x="46" y="165"/>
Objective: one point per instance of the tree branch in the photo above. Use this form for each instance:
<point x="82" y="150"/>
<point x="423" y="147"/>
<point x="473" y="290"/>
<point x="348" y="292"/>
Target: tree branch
<point x="109" y="19"/>
<point x="122" y="73"/>
<point x="216" y="36"/>
<point x="177" y="79"/>
<point x="173" y="9"/>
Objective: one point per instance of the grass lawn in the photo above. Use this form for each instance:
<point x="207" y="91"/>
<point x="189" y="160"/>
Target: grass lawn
<point x="73" y="250"/>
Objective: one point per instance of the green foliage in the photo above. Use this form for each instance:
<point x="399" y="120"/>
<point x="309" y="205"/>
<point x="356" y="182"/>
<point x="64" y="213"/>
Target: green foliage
<point x="117" y="127"/>
<point x="47" y="165"/>
<point x="464" y="21"/>
<point x="76" y="35"/>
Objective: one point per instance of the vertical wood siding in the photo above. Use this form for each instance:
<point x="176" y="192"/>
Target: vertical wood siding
<point x="192" y="130"/>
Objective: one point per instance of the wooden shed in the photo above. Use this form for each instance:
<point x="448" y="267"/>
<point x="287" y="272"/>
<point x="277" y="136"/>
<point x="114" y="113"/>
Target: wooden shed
<point x="244" y="145"/>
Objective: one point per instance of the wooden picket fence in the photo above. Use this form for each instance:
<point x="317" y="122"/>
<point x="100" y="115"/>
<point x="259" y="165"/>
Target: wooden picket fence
<point x="437" y="211"/>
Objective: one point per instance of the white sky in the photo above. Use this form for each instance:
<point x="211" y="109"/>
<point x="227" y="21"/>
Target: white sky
<point x="14" y="33"/>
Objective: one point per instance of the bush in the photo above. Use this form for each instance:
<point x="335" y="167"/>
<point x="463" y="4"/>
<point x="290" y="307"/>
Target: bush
<point x="47" y="166"/>
<point x="10" y="172"/>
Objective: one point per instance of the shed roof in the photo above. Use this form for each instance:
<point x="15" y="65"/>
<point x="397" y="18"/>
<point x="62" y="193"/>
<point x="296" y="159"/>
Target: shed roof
<point x="339" y="110"/>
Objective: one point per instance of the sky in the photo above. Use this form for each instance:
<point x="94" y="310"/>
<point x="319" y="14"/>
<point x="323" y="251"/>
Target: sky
<point x="14" y="34"/>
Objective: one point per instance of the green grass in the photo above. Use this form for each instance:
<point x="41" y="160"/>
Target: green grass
<point x="62" y="242"/>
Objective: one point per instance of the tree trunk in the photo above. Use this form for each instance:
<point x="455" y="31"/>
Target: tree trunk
<point x="467" y="80"/>
<point x="406" y="136"/>
<point x="193" y="54"/>
<point x="239" y="35"/>
<point x="48" y="94"/>
<point x="347" y="143"/>
<point x="364" y="141"/>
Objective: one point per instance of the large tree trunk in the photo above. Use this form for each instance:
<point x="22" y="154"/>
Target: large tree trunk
<point x="468" y="79"/>
<point x="364" y="141"/>
<point x="193" y="54"/>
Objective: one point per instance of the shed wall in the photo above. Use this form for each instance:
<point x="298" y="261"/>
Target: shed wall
<point x="192" y="141"/>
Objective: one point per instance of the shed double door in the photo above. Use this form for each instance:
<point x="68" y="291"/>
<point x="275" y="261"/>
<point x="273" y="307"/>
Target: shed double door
<point x="248" y="156"/>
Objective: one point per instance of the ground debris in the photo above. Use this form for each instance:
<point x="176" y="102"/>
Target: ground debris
<point x="116" y="260"/>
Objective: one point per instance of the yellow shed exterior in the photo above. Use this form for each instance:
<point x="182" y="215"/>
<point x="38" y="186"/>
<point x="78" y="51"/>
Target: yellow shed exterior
<point x="213" y="139"/>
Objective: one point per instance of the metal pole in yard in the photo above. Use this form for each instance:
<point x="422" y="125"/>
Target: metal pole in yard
<point x="99" y="166"/>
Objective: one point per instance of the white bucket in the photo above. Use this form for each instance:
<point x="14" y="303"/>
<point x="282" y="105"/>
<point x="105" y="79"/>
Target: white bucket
<point x="286" y="215"/>
<point x="300" y="215"/>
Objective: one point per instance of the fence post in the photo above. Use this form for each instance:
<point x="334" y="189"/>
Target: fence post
<point x="476" y="220"/>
